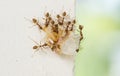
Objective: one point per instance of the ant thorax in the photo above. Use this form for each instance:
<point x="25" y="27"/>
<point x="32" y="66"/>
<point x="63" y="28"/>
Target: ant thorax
<point x="60" y="34"/>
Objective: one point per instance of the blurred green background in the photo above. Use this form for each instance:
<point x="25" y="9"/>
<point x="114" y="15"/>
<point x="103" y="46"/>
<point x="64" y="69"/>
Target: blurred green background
<point x="100" y="49"/>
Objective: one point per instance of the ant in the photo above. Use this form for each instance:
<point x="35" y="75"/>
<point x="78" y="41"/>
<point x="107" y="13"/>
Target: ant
<point x="81" y="34"/>
<point x="35" y="21"/>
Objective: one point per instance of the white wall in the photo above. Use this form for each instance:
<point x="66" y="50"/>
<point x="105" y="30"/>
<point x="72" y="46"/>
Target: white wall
<point x="16" y="55"/>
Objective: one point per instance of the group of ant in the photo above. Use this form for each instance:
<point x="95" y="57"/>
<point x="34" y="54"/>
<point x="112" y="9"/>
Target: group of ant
<point x="57" y="31"/>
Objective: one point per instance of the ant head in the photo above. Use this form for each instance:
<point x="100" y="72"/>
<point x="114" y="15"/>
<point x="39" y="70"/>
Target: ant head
<point x="64" y="14"/>
<point x="58" y="16"/>
<point x="77" y="50"/>
<point x="47" y="14"/>
<point x="35" y="47"/>
<point x="80" y="27"/>
<point x="69" y="22"/>
<point x="74" y="21"/>
<point x="34" y="20"/>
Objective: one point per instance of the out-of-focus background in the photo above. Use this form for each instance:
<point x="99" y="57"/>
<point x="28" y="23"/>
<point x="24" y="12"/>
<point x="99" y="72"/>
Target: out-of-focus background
<point x="100" y="49"/>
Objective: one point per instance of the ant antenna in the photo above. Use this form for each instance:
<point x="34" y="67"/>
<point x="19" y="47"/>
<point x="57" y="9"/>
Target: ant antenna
<point x="33" y="40"/>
